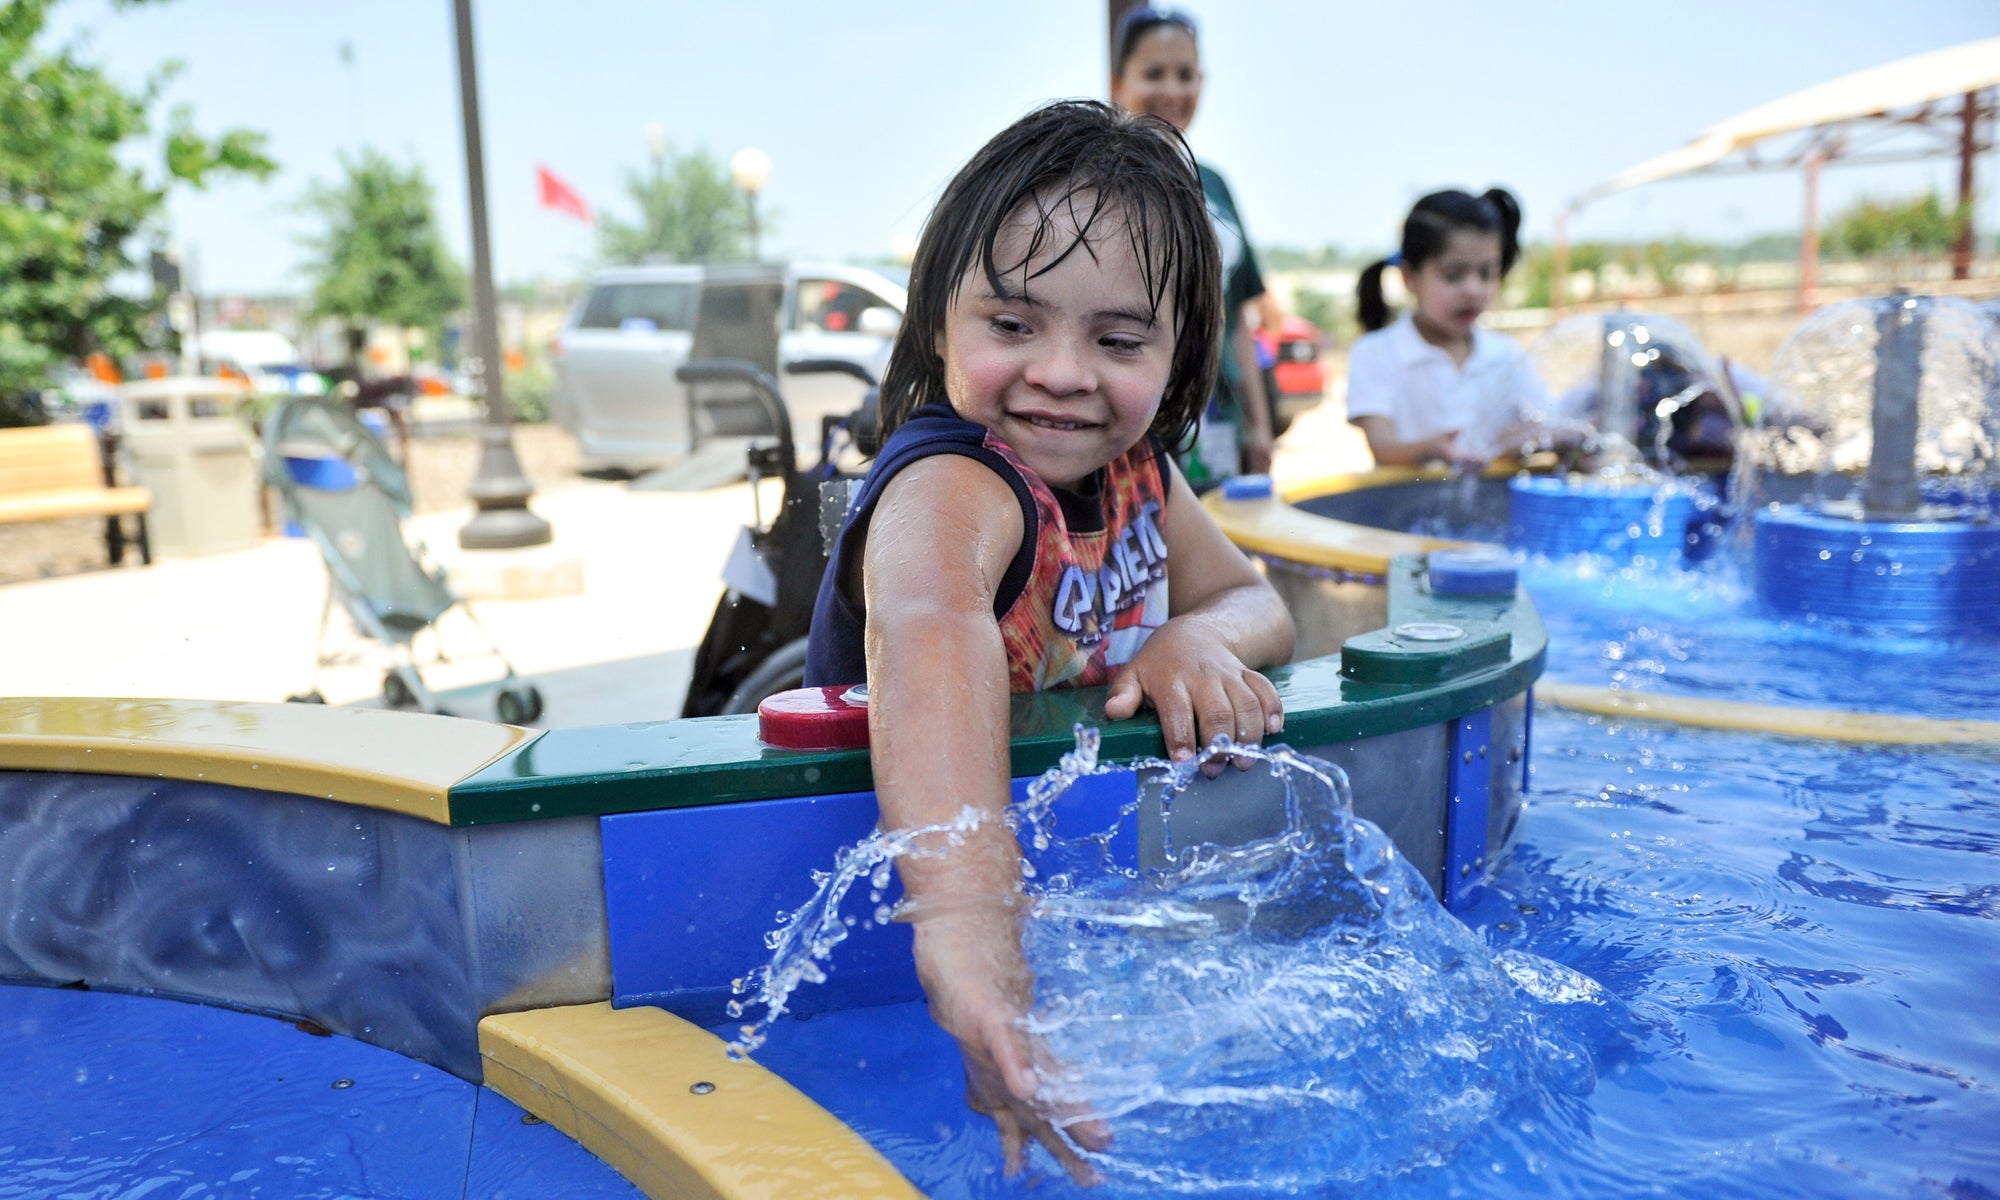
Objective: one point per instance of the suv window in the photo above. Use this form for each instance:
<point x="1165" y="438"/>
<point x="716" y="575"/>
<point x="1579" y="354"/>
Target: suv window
<point x="669" y="306"/>
<point x="833" y="306"/>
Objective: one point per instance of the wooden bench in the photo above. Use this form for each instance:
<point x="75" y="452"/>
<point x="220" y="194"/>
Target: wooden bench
<point x="53" y="471"/>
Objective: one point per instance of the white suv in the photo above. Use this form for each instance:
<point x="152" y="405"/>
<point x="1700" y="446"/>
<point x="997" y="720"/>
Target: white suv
<point x="617" y="353"/>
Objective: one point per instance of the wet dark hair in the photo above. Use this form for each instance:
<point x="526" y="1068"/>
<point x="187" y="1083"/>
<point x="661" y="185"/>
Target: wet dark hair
<point x="1074" y="165"/>
<point x="1426" y="230"/>
<point x="1140" y="21"/>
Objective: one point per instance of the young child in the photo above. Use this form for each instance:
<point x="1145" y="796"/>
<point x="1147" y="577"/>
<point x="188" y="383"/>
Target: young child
<point x="1434" y="385"/>
<point x="1024" y="528"/>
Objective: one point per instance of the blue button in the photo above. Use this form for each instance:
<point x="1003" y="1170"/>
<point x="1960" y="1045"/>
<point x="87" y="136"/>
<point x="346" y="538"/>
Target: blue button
<point x="1246" y="487"/>
<point x="1473" y="572"/>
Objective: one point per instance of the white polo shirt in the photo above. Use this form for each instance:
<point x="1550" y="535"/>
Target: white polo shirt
<point x="1395" y="373"/>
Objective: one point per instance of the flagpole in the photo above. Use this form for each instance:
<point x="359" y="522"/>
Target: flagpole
<point x="501" y="491"/>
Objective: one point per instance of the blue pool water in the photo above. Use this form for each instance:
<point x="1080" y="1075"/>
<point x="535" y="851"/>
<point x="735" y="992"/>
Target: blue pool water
<point x="117" y="1097"/>
<point x="1800" y="950"/>
<point x="1798" y="946"/>
<point x="1700" y="632"/>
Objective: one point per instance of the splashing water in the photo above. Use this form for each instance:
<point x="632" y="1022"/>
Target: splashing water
<point x="1293" y="1012"/>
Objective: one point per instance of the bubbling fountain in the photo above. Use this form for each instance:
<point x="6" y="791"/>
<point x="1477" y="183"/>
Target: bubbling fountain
<point x="1641" y="396"/>
<point x="1870" y="478"/>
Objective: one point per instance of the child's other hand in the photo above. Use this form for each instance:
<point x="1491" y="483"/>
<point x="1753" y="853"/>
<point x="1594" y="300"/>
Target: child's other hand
<point x="1200" y="690"/>
<point x="970" y="964"/>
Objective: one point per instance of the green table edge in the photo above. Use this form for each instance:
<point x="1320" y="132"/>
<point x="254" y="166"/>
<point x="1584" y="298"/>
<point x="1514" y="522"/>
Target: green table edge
<point x="718" y="760"/>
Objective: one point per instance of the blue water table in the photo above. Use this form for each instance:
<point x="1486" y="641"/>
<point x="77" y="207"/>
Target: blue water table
<point x="1870" y="475"/>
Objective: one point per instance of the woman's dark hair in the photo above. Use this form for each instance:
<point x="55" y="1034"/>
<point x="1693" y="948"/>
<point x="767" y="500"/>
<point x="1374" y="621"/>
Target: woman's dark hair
<point x="1074" y="167"/>
<point x="1140" y="21"/>
<point x="1426" y="230"/>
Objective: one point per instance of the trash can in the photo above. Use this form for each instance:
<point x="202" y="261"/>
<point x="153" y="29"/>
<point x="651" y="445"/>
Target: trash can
<point x="188" y="446"/>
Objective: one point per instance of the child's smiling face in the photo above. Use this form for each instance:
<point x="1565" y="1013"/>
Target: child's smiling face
<point x="1066" y="363"/>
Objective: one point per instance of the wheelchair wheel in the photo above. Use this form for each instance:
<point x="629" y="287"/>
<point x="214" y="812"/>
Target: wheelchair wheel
<point x="518" y="705"/>
<point x="783" y="671"/>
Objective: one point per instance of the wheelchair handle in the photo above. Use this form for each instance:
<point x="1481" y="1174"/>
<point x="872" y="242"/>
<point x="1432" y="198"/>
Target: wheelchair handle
<point x="831" y="366"/>
<point x="736" y="370"/>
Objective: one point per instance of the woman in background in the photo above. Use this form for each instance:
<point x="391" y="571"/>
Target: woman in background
<point x="1156" y="69"/>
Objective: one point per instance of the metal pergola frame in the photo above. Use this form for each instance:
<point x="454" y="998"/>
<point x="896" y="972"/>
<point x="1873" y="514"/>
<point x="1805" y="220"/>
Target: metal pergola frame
<point x="1946" y="101"/>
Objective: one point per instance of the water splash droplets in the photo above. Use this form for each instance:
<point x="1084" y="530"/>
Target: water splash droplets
<point x="1268" y="1001"/>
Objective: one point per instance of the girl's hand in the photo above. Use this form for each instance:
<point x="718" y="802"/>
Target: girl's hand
<point x="1199" y="688"/>
<point x="970" y="964"/>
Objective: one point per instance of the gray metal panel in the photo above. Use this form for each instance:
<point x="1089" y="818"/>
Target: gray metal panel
<point x="1398" y="781"/>
<point x="1399" y="784"/>
<point x="537" y="913"/>
<point x="344" y="916"/>
<point x="382" y="927"/>
<point x="1327" y="611"/>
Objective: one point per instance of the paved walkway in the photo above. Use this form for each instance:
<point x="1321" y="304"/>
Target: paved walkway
<point x="241" y="625"/>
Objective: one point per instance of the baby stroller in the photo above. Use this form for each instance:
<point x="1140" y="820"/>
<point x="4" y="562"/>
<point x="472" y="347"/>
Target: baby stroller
<point x="342" y="488"/>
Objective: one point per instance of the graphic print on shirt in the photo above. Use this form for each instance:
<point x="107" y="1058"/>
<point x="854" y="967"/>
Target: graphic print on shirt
<point x="1093" y="597"/>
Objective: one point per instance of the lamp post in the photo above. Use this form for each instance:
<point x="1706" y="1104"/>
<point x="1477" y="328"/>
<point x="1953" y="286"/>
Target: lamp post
<point x="750" y="168"/>
<point x="656" y="149"/>
<point x="504" y="520"/>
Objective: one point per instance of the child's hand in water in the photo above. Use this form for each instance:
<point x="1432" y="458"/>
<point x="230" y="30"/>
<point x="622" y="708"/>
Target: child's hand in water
<point x="1199" y="688"/>
<point x="970" y="964"/>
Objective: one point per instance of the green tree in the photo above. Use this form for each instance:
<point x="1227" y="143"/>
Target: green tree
<point x="1875" y="228"/>
<point x="380" y="256"/>
<point x="74" y="207"/>
<point x="689" y="211"/>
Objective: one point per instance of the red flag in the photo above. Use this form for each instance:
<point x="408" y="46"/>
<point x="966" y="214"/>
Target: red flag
<point x="559" y="195"/>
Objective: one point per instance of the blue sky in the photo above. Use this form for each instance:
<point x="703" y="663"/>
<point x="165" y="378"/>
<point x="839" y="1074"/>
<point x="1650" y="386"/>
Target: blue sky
<point x="1328" y="118"/>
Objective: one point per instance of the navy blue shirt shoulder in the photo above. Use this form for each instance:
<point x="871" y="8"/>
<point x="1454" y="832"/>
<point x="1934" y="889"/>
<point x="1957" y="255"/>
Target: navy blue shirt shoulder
<point x="836" y="651"/>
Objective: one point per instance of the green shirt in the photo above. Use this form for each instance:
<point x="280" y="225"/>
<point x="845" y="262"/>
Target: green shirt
<point x="1242" y="282"/>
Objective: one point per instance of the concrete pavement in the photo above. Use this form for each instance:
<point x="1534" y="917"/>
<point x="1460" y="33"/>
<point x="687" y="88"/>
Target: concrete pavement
<point x="242" y="625"/>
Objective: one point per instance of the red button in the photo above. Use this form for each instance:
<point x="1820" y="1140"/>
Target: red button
<point x="824" y="718"/>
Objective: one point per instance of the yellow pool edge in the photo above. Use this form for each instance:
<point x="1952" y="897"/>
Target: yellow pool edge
<point x="660" y="1100"/>
<point x="1819" y="724"/>
<point x="1277" y="527"/>
<point x="402" y="762"/>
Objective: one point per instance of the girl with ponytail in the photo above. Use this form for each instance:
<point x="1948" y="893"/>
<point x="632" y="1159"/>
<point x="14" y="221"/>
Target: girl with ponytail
<point x="1434" y="385"/>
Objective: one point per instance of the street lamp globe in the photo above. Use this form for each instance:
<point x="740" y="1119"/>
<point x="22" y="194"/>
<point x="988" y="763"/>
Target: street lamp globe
<point x="656" y="139"/>
<point x="750" y="168"/>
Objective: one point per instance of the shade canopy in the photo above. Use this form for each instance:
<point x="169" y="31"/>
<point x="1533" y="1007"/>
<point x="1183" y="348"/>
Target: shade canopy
<point x="1868" y="116"/>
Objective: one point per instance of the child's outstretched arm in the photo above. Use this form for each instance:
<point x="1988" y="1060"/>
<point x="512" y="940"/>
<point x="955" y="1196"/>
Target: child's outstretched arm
<point x="1198" y="671"/>
<point x="939" y="542"/>
<point x="1390" y="452"/>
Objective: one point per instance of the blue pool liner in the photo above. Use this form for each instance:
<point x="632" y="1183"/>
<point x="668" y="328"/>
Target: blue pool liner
<point x="1940" y="575"/>
<point x="1556" y="517"/>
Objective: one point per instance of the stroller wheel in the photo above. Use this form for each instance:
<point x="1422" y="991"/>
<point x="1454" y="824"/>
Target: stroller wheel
<point x="312" y="697"/>
<point x="518" y="705"/>
<point x="396" y="691"/>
